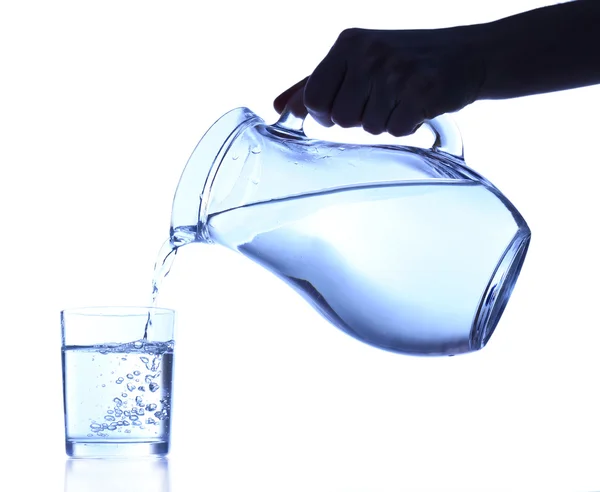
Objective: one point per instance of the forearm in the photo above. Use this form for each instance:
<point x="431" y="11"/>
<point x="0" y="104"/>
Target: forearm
<point x="544" y="50"/>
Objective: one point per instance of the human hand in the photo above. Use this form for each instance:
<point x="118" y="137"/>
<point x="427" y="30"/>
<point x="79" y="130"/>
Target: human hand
<point x="391" y="81"/>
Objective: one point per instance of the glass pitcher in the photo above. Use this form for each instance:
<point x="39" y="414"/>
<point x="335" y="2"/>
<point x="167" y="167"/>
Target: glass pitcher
<point x="404" y="248"/>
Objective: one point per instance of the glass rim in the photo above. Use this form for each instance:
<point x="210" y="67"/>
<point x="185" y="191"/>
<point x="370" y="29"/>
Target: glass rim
<point x="120" y="311"/>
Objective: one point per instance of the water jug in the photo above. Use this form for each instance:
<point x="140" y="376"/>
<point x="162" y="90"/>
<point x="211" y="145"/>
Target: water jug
<point x="404" y="248"/>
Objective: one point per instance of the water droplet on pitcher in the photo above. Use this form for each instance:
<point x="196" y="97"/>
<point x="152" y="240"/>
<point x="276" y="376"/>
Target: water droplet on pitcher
<point x="255" y="181"/>
<point x="256" y="149"/>
<point x="235" y="157"/>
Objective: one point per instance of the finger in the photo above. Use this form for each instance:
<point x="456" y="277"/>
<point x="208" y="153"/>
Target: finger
<point x="406" y="117"/>
<point x="417" y="100"/>
<point x="296" y="104"/>
<point x="351" y="99"/>
<point x="378" y="108"/>
<point x="281" y="101"/>
<point x="322" y="88"/>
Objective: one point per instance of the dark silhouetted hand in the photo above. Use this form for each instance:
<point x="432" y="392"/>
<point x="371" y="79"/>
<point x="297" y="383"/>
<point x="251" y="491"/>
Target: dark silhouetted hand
<point x="391" y="81"/>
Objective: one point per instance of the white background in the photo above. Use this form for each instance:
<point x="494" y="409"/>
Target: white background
<point x="101" y="104"/>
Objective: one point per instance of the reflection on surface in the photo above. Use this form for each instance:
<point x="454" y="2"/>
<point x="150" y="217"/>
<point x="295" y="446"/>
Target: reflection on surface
<point x="117" y="475"/>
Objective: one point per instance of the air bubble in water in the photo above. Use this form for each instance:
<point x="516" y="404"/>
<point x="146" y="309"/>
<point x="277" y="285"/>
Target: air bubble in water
<point x="118" y="401"/>
<point x="129" y="376"/>
<point x="124" y="395"/>
<point x="118" y="413"/>
<point x="141" y="388"/>
<point x="110" y="418"/>
<point x="138" y="344"/>
<point x="119" y="380"/>
<point x="110" y="412"/>
<point x="149" y="378"/>
<point x="256" y="149"/>
<point x="151" y="406"/>
<point x="112" y="427"/>
<point x="153" y="387"/>
<point x="139" y="401"/>
<point x="95" y="427"/>
<point x="150" y="420"/>
<point x="133" y="417"/>
<point x="136" y="373"/>
<point x="131" y="386"/>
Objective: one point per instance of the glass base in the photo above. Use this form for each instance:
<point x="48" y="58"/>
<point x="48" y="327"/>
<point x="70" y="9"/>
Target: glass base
<point x="119" y="449"/>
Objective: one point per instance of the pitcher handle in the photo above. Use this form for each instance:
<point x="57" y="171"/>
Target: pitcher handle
<point x="447" y="136"/>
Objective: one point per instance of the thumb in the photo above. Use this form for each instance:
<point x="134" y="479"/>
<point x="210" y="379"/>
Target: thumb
<point x="285" y="98"/>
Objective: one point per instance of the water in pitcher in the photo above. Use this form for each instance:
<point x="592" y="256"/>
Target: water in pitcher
<point x="399" y="266"/>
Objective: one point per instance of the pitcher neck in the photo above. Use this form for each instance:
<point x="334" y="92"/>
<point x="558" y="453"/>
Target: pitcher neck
<point x="189" y="211"/>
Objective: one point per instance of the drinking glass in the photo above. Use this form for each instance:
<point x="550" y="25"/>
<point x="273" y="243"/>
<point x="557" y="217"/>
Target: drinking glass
<point x="117" y="367"/>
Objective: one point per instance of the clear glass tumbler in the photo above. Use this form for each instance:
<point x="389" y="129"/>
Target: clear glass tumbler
<point x="117" y="380"/>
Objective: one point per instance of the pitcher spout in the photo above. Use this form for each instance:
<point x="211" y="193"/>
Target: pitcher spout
<point x="188" y="219"/>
